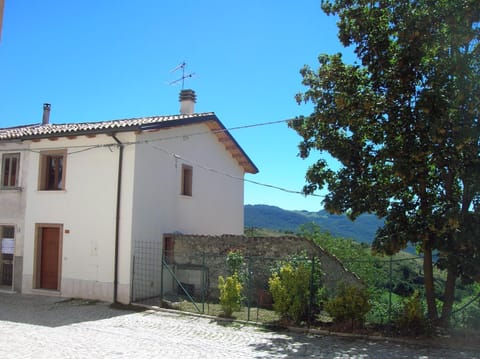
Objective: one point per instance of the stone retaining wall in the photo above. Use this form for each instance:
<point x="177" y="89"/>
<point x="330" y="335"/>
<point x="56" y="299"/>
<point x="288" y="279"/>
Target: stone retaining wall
<point x="208" y="255"/>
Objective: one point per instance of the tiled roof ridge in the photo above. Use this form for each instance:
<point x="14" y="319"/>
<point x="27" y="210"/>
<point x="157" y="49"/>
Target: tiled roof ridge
<point x="65" y="128"/>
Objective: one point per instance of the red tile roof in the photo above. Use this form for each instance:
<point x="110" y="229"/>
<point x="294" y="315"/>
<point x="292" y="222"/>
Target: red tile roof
<point x="40" y="131"/>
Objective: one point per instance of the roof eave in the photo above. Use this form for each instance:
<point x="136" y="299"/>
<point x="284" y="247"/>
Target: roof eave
<point x="218" y="130"/>
<point x="246" y="162"/>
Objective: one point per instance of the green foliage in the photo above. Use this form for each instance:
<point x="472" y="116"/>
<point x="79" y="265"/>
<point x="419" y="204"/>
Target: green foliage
<point x="314" y="268"/>
<point x="235" y="262"/>
<point x="374" y="270"/>
<point x="230" y="294"/>
<point x="411" y="319"/>
<point x="468" y="315"/>
<point x="471" y="316"/>
<point x="383" y="311"/>
<point x="403" y="124"/>
<point x="350" y="304"/>
<point x="274" y="218"/>
<point x="296" y="287"/>
<point x="290" y="289"/>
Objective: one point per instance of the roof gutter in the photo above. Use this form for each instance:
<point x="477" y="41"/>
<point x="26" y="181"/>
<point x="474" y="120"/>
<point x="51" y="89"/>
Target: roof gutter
<point x="117" y="219"/>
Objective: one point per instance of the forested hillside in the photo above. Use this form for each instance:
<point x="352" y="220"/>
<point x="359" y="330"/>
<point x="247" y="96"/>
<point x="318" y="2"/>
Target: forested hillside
<point x="263" y="216"/>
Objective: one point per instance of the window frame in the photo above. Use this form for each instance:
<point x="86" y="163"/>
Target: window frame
<point x="43" y="180"/>
<point x="187" y="181"/>
<point x="15" y="174"/>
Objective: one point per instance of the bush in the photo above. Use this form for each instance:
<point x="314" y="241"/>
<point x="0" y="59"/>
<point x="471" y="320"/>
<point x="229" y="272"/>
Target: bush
<point x="382" y="310"/>
<point x="235" y="262"/>
<point x="230" y="294"/>
<point x="411" y="319"/>
<point x="471" y="317"/>
<point x="290" y="288"/>
<point x="349" y="305"/>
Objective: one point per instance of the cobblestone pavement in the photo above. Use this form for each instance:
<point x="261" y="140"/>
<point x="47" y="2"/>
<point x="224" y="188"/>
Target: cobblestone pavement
<point x="47" y="327"/>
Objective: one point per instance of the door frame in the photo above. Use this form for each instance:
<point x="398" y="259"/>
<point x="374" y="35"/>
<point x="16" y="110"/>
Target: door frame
<point x="2" y="235"/>
<point x="38" y="254"/>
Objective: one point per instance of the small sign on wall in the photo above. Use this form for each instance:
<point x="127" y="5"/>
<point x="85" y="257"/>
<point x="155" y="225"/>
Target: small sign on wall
<point x="8" y="246"/>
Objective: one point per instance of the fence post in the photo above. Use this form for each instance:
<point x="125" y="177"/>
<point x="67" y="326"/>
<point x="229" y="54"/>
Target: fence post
<point x="249" y="294"/>
<point x="203" y="282"/>
<point x="132" y="286"/>
<point x="390" y="293"/>
<point x="310" y="304"/>
<point x="162" y="260"/>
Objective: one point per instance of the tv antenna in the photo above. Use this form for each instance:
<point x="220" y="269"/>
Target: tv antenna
<point x="187" y="76"/>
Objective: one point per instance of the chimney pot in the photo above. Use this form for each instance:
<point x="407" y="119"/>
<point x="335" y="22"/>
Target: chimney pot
<point x="46" y="113"/>
<point x="187" y="102"/>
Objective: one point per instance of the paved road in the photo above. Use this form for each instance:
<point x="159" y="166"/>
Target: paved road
<point x="45" y="327"/>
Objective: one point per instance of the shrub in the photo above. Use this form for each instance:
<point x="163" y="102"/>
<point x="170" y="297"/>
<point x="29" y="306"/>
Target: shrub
<point x="230" y="294"/>
<point x="471" y="316"/>
<point x="290" y="288"/>
<point x="382" y="310"/>
<point x="350" y="304"/>
<point x="235" y="262"/>
<point x="411" y="319"/>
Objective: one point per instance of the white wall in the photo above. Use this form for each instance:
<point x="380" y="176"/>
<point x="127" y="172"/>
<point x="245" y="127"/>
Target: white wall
<point x="215" y="207"/>
<point x="12" y="201"/>
<point x="87" y="211"/>
<point x="216" y="204"/>
<point x="151" y="203"/>
<point x="12" y="206"/>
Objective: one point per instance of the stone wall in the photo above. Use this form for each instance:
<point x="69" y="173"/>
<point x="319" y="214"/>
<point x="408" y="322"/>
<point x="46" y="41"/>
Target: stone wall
<point x="207" y="254"/>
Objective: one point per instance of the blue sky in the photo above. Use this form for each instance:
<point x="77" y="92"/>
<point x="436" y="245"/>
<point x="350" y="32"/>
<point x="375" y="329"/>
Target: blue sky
<point x="111" y="59"/>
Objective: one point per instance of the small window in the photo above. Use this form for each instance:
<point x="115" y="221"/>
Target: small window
<point x="187" y="173"/>
<point x="7" y="231"/>
<point x="10" y="168"/>
<point x="52" y="171"/>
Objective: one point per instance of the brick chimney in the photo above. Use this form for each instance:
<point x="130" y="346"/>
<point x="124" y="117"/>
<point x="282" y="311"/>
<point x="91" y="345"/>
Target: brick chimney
<point x="46" y="113"/>
<point x="187" y="102"/>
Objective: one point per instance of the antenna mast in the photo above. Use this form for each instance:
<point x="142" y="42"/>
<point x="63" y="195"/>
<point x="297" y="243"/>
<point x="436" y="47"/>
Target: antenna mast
<point x="181" y="66"/>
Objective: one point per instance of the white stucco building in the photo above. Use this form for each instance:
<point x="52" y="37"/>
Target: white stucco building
<point x="75" y="197"/>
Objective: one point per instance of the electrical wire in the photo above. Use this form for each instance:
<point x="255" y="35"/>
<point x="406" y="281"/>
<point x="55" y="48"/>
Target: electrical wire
<point x="85" y="148"/>
<point x="221" y="130"/>
<point x="206" y="168"/>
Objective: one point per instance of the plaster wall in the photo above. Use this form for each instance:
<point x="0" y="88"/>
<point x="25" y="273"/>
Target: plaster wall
<point x="216" y="204"/>
<point x="12" y="207"/>
<point x="86" y="212"/>
<point x="215" y="207"/>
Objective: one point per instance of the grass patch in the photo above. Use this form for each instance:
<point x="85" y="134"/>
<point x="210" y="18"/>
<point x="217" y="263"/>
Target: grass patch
<point x="258" y="315"/>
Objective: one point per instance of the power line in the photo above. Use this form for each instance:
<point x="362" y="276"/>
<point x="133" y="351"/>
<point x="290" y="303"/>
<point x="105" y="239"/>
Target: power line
<point x="197" y="164"/>
<point x="85" y="148"/>
<point x="221" y="130"/>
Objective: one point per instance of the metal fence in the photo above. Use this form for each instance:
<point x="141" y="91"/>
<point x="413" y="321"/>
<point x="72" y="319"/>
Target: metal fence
<point x="189" y="281"/>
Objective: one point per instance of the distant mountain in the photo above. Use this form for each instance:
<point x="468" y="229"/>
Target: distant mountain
<point x="263" y="216"/>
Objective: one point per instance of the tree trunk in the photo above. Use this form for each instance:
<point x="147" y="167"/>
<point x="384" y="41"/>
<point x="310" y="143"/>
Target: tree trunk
<point x="449" y="297"/>
<point x="429" y="284"/>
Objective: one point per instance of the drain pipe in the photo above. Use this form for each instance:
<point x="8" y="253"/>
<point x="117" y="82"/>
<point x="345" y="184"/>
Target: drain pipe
<point x="117" y="220"/>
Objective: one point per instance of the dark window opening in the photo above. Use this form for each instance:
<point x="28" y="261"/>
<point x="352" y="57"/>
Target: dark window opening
<point x="52" y="172"/>
<point x="10" y="167"/>
<point x="187" y="178"/>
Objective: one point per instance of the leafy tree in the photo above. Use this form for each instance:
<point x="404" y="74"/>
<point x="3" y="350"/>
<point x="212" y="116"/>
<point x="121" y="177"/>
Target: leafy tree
<point x="404" y="125"/>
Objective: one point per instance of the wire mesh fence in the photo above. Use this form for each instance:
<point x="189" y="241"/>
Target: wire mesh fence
<point x="189" y="281"/>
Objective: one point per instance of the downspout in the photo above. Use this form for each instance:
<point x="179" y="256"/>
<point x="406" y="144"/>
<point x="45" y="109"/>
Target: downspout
<point x="117" y="220"/>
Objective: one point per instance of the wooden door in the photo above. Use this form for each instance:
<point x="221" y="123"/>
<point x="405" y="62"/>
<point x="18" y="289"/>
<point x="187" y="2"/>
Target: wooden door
<point x="49" y="258"/>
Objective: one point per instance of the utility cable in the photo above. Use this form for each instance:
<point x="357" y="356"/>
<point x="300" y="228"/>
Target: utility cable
<point x="197" y="164"/>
